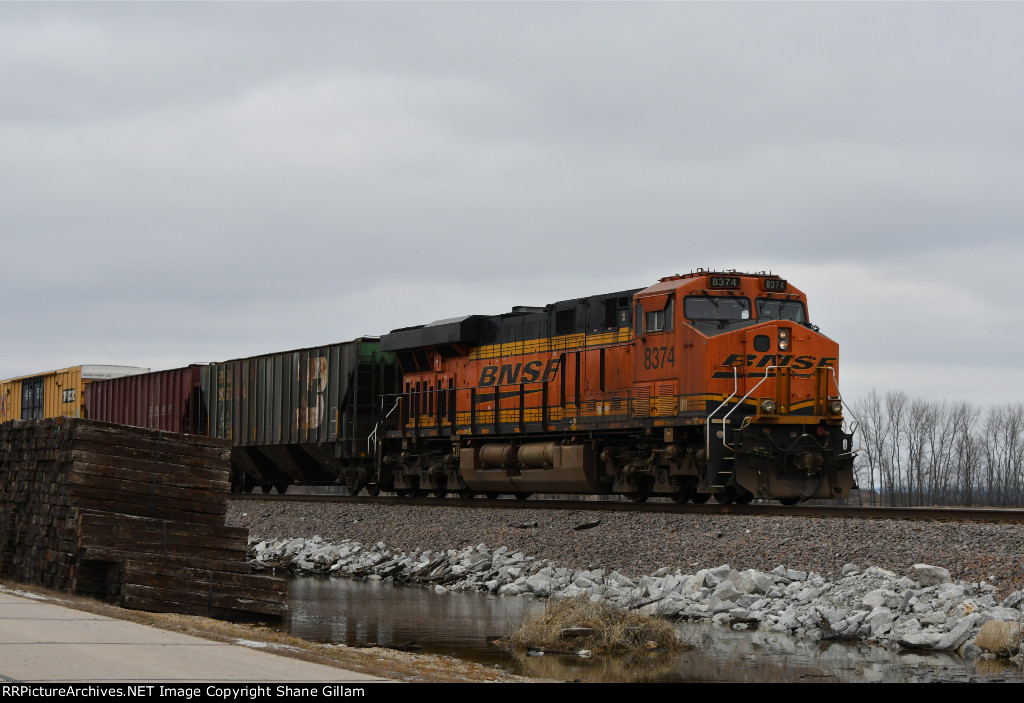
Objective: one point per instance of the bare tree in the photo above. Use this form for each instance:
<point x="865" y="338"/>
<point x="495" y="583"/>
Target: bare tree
<point x="892" y="475"/>
<point x="940" y="455"/>
<point x="966" y="450"/>
<point x="1013" y="437"/>
<point x="874" y="438"/>
<point x="993" y="451"/>
<point x="918" y="452"/>
<point x="920" y="418"/>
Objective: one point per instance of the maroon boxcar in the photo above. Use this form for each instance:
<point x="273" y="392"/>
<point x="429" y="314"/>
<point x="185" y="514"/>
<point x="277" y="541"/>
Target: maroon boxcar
<point x="163" y="400"/>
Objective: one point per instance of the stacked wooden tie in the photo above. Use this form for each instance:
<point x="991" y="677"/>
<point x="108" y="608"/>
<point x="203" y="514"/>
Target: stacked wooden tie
<point x="133" y="515"/>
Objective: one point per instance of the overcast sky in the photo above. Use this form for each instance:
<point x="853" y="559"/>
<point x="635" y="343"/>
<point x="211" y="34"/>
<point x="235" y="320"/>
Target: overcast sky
<point x="189" y="182"/>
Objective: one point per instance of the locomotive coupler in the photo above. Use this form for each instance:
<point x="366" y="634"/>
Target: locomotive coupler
<point x="809" y="462"/>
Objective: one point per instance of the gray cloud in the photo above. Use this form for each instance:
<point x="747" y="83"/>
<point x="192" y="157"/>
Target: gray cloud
<point x="192" y="181"/>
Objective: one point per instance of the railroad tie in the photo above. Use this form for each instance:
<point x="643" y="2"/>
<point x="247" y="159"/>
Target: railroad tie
<point x="156" y="458"/>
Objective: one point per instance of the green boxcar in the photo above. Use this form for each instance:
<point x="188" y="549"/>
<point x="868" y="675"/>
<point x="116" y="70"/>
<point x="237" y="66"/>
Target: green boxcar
<point x="299" y="417"/>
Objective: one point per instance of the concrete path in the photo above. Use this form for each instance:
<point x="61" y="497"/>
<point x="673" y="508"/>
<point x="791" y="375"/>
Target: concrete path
<point x="43" y="642"/>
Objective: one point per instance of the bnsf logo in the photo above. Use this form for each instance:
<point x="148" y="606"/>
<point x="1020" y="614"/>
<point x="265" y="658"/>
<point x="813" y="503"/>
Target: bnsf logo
<point x="802" y="362"/>
<point x="508" y="374"/>
<point x="753" y="361"/>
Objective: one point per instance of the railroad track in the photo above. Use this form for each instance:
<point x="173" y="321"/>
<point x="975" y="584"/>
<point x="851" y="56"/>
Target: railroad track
<point x="847" y="511"/>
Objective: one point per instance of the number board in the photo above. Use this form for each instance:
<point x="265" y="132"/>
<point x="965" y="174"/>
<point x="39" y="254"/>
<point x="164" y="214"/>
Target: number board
<point x="774" y="284"/>
<point x="724" y="281"/>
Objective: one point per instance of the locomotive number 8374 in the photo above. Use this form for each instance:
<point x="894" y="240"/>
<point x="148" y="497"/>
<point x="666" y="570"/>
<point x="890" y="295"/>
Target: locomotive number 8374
<point x="711" y="385"/>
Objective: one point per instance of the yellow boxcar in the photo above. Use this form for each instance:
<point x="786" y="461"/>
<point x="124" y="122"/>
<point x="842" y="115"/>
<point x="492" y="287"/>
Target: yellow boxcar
<point x="54" y="393"/>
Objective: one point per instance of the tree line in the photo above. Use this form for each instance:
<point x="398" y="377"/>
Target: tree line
<point x="918" y="452"/>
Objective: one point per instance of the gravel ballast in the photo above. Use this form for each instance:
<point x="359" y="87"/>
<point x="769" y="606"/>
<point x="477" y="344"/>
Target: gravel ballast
<point x="635" y="544"/>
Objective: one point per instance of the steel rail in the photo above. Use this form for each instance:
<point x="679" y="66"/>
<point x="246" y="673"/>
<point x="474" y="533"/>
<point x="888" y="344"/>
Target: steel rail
<point x="654" y="506"/>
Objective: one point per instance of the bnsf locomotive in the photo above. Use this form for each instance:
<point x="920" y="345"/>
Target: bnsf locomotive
<point x="712" y="385"/>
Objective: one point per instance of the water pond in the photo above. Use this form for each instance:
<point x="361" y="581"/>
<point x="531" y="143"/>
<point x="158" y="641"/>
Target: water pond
<point x="344" y="611"/>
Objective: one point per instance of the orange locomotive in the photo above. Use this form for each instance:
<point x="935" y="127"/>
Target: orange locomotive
<point x="708" y="385"/>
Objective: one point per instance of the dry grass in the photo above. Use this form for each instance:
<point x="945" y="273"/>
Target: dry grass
<point x="376" y="661"/>
<point x="613" y="630"/>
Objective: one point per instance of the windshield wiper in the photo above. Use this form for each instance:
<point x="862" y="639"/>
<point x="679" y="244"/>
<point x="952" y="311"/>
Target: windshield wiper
<point x="712" y="298"/>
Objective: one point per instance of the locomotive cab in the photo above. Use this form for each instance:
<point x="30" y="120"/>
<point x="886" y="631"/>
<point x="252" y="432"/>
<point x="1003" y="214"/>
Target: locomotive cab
<point x="744" y="362"/>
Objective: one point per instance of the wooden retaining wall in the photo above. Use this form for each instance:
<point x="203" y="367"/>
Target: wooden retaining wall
<point x="132" y="515"/>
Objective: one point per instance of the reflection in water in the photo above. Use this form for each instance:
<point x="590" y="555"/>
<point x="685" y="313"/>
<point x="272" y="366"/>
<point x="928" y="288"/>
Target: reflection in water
<point x="342" y="611"/>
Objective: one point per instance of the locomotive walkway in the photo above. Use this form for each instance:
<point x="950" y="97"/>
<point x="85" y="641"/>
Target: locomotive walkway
<point x="46" y="643"/>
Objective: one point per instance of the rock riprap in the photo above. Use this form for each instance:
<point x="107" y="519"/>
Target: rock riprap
<point x="925" y="609"/>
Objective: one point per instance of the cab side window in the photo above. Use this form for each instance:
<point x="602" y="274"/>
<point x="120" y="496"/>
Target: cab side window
<point x="660" y="320"/>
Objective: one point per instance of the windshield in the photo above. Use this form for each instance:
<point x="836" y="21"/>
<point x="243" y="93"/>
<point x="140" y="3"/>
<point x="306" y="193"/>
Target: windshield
<point x="772" y="309"/>
<point x="716" y="307"/>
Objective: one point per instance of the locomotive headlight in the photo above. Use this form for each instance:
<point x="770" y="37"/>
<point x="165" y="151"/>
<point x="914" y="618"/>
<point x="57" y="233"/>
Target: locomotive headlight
<point x="767" y="407"/>
<point x="835" y="407"/>
<point x="783" y="339"/>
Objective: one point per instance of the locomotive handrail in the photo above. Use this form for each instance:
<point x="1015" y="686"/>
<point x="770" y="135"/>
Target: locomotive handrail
<point x="707" y="423"/>
<point x="371" y="439"/>
<point x="856" y="421"/>
<point x="738" y="404"/>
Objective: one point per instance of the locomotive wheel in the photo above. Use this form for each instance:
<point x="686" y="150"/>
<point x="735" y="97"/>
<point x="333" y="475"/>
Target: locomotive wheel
<point x="522" y="495"/>
<point x="684" y="493"/>
<point x="789" y="501"/>
<point x="744" y="498"/>
<point x="281" y="487"/>
<point x="639" y="496"/>
<point x="492" y="495"/>
<point x="266" y="487"/>
<point x="242" y="484"/>
<point x="700" y="498"/>
<point x="466" y="493"/>
<point x="440" y="492"/>
<point x="726" y="497"/>
<point x="372" y="490"/>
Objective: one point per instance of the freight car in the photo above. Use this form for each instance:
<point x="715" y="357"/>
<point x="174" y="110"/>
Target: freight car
<point x="296" y="417"/>
<point x="169" y="400"/>
<point x="709" y="385"/>
<point x="299" y="417"/>
<point x="55" y="393"/>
